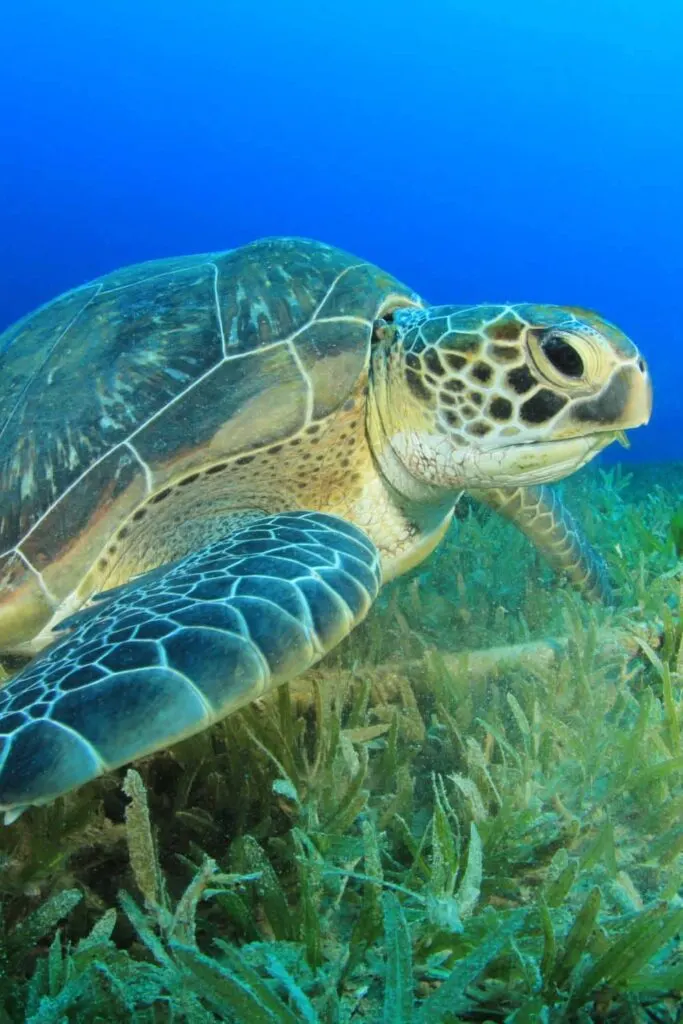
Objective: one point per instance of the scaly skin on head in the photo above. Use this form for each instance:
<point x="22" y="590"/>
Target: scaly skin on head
<point x="497" y="396"/>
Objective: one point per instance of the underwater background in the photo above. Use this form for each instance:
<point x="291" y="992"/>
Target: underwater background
<point x="526" y="151"/>
<point x="473" y="809"/>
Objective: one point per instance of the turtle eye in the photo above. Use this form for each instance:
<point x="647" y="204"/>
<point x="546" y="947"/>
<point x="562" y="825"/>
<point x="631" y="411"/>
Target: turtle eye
<point x="561" y="355"/>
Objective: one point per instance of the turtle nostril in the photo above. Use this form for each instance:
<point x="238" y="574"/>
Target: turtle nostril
<point x="641" y="365"/>
<point x="562" y="356"/>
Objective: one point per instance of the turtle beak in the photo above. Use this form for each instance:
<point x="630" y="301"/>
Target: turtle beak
<point x="637" y="407"/>
<point x="624" y="404"/>
<point x="642" y="396"/>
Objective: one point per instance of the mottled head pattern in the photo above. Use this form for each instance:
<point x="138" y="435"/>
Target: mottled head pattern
<point x="508" y="380"/>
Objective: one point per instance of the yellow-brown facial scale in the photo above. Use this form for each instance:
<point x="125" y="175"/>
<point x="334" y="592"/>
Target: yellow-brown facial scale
<point x="491" y="396"/>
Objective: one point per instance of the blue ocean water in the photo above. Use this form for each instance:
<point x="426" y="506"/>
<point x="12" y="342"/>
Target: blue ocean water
<point x="498" y="151"/>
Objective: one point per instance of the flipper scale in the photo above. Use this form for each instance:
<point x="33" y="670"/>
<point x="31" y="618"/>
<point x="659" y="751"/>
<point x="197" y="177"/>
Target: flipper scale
<point x="539" y="513"/>
<point x="169" y="653"/>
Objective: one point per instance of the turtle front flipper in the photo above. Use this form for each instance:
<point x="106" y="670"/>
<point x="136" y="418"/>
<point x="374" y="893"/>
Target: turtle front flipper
<point x="168" y="654"/>
<point x="541" y="516"/>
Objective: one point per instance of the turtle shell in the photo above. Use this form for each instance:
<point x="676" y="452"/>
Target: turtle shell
<point x="115" y="388"/>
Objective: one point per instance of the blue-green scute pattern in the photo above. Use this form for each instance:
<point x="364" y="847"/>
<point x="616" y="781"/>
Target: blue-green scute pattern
<point x="165" y="655"/>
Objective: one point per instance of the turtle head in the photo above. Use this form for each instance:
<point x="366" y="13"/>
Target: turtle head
<point x="488" y="396"/>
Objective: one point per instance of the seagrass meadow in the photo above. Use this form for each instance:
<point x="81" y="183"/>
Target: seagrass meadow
<point x="471" y="812"/>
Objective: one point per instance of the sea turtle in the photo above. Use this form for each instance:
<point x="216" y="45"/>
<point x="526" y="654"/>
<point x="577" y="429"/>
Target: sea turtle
<point x="239" y="448"/>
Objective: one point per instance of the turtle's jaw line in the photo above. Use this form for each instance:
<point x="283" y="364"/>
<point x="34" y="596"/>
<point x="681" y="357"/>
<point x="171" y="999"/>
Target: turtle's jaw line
<point x="427" y="467"/>
<point x="528" y="463"/>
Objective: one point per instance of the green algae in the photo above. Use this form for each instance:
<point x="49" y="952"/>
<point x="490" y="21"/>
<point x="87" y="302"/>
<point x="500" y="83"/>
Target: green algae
<point x="676" y="531"/>
<point x="393" y="839"/>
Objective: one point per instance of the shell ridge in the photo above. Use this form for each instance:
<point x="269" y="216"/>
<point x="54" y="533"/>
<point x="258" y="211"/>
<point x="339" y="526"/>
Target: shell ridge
<point x="49" y="353"/>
